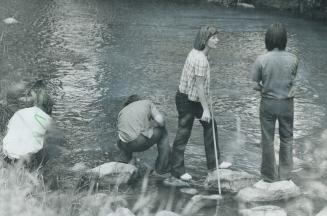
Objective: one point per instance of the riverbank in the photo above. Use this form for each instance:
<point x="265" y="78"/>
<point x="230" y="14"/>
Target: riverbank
<point x="312" y="9"/>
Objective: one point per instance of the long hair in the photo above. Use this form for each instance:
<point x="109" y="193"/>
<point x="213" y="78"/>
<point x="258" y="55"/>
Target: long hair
<point x="203" y="36"/>
<point x="276" y="37"/>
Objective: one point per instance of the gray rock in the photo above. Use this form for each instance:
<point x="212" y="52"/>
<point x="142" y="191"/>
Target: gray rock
<point x="300" y="207"/>
<point x="190" y="191"/>
<point x="174" y="182"/>
<point x="323" y="212"/>
<point x="267" y="192"/>
<point x="268" y="210"/>
<point x="122" y="212"/>
<point x="316" y="189"/>
<point x="200" y="201"/>
<point x="114" y="172"/>
<point x="230" y="180"/>
<point x="166" y="213"/>
<point x="79" y="167"/>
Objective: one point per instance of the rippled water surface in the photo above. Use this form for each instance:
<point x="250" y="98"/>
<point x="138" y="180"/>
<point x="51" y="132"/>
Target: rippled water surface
<point x="97" y="52"/>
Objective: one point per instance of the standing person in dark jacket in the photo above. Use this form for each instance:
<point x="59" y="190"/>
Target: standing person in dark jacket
<point x="274" y="74"/>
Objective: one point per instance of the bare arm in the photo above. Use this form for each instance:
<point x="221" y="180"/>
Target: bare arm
<point x="257" y="75"/>
<point x="157" y="116"/>
<point x="199" y="82"/>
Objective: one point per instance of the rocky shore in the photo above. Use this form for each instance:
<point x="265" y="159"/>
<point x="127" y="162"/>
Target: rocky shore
<point x="314" y="9"/>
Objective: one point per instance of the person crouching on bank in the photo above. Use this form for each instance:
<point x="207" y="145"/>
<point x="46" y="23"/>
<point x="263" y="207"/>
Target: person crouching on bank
<point x="140" y="126"/>
<point x="27" y="128"/>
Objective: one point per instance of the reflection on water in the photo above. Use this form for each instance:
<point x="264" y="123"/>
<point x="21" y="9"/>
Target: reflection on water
<point x="98" y="52"/>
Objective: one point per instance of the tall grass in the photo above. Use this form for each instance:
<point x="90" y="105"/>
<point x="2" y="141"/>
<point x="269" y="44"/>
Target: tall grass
<point x="23" y="193"/>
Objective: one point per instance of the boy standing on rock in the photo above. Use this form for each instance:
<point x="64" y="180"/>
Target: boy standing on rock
<point x="274" y="74"/>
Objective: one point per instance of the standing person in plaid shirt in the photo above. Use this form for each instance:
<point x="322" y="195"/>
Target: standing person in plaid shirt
<point x="192" y="100"/>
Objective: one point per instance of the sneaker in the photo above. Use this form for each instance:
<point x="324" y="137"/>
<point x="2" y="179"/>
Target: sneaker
<point x="175" y="182"/>
<point x="224" y="165"/>
<point x="186" y="177"/>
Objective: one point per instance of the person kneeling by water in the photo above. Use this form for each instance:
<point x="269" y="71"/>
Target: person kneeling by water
<point x="140" y="126"/>
<point x="27" y="128"/>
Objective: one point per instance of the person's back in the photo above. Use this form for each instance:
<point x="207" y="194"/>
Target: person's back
<point x="140" y="126"/>
<point x="25" y="132"/>
<point x="134" y="119"/>
<point x="274" y="73"/>
<point x="278" y="70"/>
<point x="27" y="129"/>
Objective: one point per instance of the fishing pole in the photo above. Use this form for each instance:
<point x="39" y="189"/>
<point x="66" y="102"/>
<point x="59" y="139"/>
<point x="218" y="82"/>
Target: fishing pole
<point x="215" y="146"/>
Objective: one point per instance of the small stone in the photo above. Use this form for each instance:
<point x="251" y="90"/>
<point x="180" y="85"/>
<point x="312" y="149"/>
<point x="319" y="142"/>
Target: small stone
<point x="10" y="20"/>
<point x="114" y="172"/>
<point x="79" y="167"/>
<point x="175" y="182"/>
<point x="190" y="191"/>
<point x="245" y="5"/>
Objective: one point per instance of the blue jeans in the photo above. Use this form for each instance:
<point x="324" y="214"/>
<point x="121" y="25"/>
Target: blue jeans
<point x="272" y="110"/>
<point x="142" y="143"/>
<point x="187" y="111"/>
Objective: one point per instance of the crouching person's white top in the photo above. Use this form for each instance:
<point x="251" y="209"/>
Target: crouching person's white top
<point x="25" y="132"/>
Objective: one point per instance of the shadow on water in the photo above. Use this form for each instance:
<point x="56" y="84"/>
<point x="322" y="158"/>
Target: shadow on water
<point x="98" y="52"/>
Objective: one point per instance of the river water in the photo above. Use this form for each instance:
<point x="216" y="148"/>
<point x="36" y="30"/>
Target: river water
<point x="94" y="53"/>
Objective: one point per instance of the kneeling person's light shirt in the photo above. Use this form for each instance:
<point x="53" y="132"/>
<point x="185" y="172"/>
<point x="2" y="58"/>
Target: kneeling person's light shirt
<point x="25" y="132"/>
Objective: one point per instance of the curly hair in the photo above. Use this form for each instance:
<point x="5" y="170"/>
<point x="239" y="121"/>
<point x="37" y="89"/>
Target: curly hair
<point x="203" y="36"/>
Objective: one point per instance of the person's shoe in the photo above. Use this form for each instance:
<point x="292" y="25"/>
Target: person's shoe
<point x="175" y="182"/>
<point x="186" y="177"/>
<point x="224" y="165"/>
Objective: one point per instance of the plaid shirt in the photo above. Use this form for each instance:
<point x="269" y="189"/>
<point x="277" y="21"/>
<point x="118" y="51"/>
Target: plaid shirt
<point x="196" y="64"/>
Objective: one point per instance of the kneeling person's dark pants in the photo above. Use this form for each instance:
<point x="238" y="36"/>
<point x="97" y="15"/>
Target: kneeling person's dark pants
<point x="142" y="143"/>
